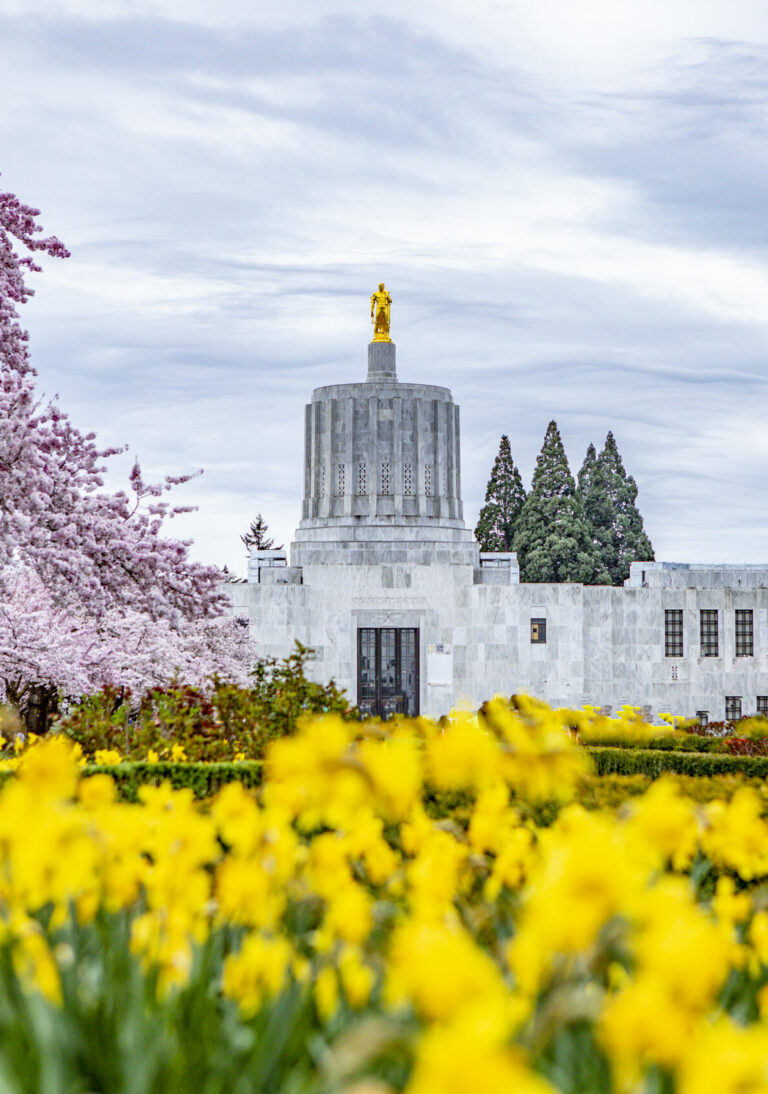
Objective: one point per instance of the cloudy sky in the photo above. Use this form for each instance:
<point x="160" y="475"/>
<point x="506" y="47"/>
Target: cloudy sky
<point x="567" y="202"/>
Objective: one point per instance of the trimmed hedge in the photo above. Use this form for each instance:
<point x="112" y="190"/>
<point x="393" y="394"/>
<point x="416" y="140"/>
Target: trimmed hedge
<point x="599" y="792"/>
<point x="204" y="779"/>
<point x="654" y="762"/>
<point x="673" y="743"/>
<point x="612" y="791"/>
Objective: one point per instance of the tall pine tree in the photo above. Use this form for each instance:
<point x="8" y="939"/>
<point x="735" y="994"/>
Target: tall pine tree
<point x="553" y="538"/>
<point x="609" y="495"/>
<point x="257" y="537"/>
<point x="504" y="498"/>
<point x="587" y="471"/>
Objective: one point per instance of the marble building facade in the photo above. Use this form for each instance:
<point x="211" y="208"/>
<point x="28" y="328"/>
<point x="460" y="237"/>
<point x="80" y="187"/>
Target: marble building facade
<point x="390" y="589"/>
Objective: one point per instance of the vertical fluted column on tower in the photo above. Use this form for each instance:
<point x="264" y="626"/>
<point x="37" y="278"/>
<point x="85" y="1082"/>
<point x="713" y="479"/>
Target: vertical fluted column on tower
<point x="348" y="453"/>
<point x="459" y="514"/>
<point x="307" y="505"/>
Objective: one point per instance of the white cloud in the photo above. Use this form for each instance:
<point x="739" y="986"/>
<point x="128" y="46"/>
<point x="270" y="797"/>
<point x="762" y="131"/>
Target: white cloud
<point x="570" y="227"/>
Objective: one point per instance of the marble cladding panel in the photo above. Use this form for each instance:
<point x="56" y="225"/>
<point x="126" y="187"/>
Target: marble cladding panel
<point x="494" y="651"/>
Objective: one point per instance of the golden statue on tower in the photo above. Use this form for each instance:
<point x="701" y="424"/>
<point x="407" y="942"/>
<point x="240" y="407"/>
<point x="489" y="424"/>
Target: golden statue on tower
<point x="380" y="305"/>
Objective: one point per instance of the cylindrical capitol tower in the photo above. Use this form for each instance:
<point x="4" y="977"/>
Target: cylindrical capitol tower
<point x="382" y="478"/>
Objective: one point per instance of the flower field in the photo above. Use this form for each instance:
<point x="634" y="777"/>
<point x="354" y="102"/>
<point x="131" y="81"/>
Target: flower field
<point x="328" y="934"/>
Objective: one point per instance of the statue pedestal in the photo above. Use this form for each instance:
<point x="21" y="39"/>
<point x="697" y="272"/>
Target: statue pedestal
<point x="381" y="362"/>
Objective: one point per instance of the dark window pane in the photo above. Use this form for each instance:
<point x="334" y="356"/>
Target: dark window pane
<point x="388" y="671"/>
<point x="745" y="646"/>
<point x="388" y="662"/>
<point x="709" y="639"/>
<point x="538" y="630"/>
<point x="732" y="708"/>
<point x="366" y="670"/>
<point x="408" y="670"/>
<point x="673" y="633"/>
<point x="762" y="704"/>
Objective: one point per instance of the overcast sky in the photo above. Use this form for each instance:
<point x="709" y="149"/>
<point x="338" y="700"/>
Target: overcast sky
<point x="566" y="200"/>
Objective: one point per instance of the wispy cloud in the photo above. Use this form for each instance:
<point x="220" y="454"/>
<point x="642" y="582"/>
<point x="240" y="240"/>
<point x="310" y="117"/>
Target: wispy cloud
<point x="231" y="193"/>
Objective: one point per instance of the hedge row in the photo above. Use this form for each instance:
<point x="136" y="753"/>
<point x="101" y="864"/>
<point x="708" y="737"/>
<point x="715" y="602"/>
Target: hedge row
<point x="600" y="792"/>
<point x="673" y="743"/>
<point x="654" y="762"/>
<point x="204" y="779"/>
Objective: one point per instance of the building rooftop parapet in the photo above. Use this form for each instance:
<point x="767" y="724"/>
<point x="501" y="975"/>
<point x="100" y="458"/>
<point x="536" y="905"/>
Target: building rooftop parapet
<point x="260" y="561"/>
<point x="697" y="575"/>
<point x="498" y="560"/>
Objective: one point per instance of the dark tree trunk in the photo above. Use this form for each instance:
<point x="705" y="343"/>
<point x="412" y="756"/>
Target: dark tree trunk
<point x="36" y="704"/>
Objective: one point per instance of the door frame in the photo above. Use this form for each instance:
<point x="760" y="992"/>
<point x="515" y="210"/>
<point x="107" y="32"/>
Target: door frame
<point x="385" y="706"/>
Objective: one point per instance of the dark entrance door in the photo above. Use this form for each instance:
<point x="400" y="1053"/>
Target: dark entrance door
<point x="388" y="671"/>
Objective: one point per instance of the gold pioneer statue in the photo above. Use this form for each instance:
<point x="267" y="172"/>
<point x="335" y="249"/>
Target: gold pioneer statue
<point x="381" y="301"/>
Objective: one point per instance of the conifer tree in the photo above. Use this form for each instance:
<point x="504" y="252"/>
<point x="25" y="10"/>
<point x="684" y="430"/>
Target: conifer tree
<point x="504" y="498"/>
<point x="553" y="538"/>
<point x="609" y="503"/>
<point x="257" y="537"/>
<point x="587" y="471"/>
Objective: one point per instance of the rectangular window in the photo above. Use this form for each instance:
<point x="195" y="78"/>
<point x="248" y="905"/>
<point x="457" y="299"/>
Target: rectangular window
<point x="745" y="646"/>
<point x="673" y="633"/>
<point x="732" y="708"/>
<point x="538" y="630"/>
<point x="703" y="717"/>
<point x="762" y="705"/>
<point x="709" y="642"/>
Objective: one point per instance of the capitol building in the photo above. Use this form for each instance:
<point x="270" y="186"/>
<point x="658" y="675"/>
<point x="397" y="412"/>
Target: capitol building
<point x="390" y="589"/>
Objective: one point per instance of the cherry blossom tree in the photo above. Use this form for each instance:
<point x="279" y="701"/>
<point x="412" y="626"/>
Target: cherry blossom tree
<point x="47" y="649"/>
<point x="104" y="550"/>
<point x="90" y="586"/>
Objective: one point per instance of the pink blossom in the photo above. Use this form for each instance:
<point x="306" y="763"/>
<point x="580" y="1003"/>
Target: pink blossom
<point x="86" y="574"/>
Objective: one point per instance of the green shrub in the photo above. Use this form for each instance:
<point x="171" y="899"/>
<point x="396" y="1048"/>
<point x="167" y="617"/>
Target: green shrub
<point x="456" y="805"/>
<point x="611" y="791"/>
<point x="672" y="742"/>
<point x="600" y="791"/>
<point x="216" y="724"/>
<point x="654" y="762"/>
<point x="204" y="779"/>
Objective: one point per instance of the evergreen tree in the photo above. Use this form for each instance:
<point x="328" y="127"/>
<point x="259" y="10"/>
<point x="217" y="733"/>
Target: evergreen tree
<point x="256" y="536"/>
<point x="587" y="471"/>
<point x="617" y="526"/>
<point x="230" y="578"/>
<point x="553" y="539"/>
<point x="504" y="498"/>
